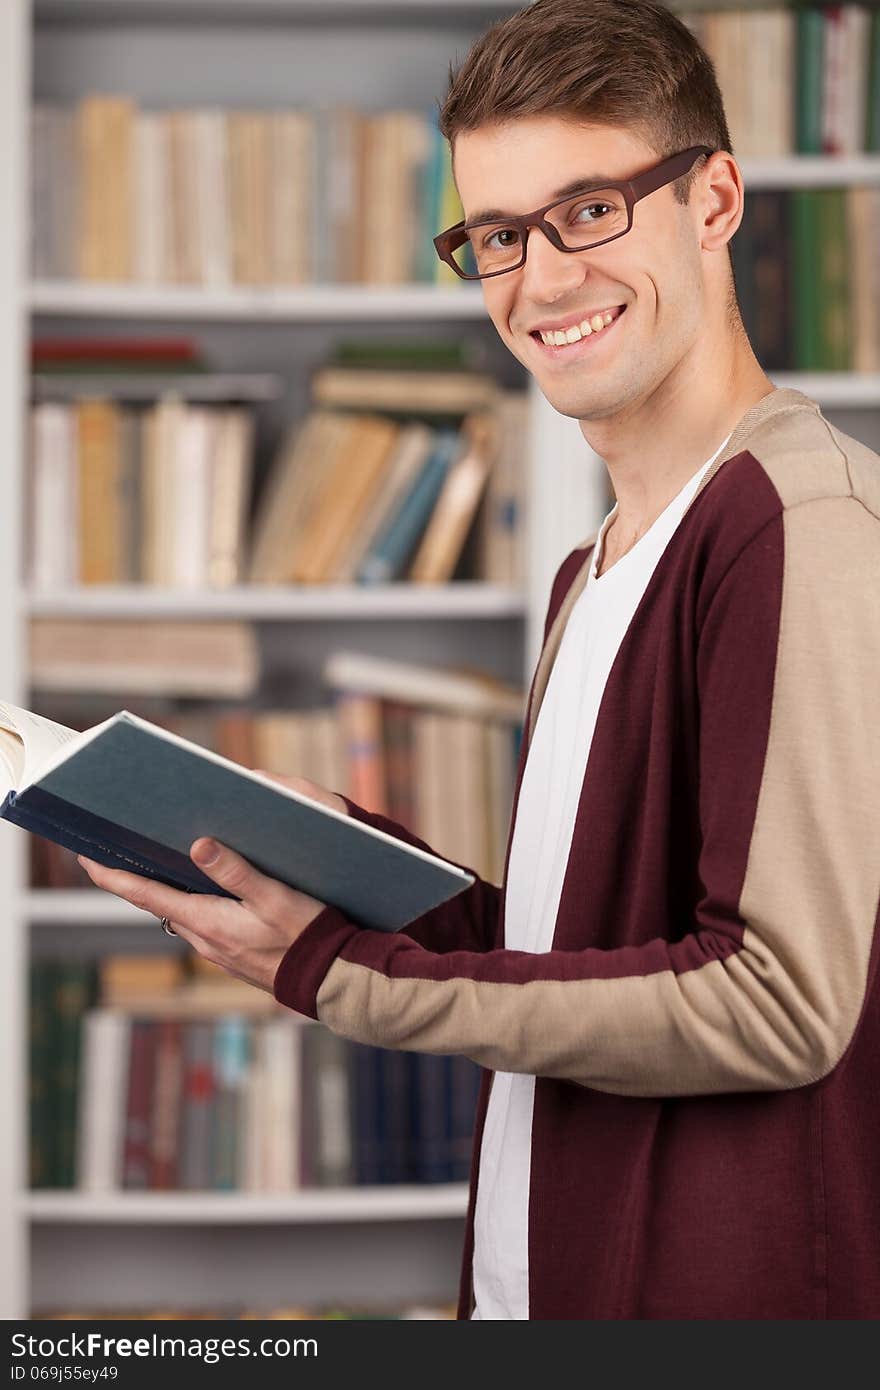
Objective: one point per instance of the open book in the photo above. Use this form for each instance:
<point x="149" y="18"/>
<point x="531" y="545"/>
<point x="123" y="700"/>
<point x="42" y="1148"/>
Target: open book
<point x="133" y="796"/>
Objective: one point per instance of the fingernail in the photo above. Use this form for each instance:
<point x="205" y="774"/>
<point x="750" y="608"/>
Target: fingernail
<point x="207" y="852"/>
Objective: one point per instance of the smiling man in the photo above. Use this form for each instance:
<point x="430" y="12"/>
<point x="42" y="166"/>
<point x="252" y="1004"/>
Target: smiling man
<point x="674" y="992"/>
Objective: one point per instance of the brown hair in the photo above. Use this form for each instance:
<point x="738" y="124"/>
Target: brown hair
<point x="611" y="62"/>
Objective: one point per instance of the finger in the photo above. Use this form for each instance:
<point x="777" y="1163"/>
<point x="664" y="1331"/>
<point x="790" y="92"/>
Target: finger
<point x="238" y="876"/>
<point x="147" y="894"/>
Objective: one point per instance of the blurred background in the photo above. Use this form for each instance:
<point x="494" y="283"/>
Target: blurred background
<point x="269" y="482"/>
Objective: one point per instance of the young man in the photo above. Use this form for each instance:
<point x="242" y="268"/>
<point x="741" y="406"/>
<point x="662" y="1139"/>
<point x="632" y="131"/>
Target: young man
<point x="674" y="992"/>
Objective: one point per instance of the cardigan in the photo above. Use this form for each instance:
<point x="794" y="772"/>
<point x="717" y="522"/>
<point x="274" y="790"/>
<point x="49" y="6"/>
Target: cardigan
<point x="549" y="795"/>
<point x="705" y="1030"/>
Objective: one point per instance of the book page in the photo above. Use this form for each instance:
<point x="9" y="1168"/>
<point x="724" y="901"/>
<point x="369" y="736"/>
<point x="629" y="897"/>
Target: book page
<point x="27" y="741"/>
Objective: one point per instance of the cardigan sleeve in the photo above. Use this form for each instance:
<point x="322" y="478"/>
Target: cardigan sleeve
<point x="764" y="988"/>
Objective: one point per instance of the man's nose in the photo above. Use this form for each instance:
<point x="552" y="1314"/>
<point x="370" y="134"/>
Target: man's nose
<point x="549" y="273"/>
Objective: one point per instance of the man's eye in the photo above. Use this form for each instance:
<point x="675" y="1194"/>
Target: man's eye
<point x="603" y="209"/>
<point x="495" y="241"/>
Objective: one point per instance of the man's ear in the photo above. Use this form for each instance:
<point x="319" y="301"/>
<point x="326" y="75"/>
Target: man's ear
<point x="721" y="196"/>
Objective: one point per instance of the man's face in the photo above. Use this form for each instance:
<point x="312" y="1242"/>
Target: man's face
<point x="653" y="273"/>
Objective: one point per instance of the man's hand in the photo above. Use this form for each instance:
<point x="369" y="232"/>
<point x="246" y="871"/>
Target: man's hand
<point x="247" y="939"/>
<point x="307" y="788"/>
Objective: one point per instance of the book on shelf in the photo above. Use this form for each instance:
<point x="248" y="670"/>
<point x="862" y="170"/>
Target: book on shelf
<point x="182" y="657"/>
<point x="218" y="197"/>
<point x="167" y="1085"/>
<point x="131" y="795"/>
<point x="795" y="79"/>
<point x="795" y="256"/>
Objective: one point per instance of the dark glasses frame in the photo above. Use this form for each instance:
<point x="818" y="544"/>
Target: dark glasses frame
<point x="633" y="190"/>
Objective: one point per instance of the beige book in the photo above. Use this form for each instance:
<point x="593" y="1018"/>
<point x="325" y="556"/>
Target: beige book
<point x="468" y="836"/>
<point x="183" y="190"/>
<point x="770" y="44"/>
<point x="428" y="773"/>
<point x="292" y="155"/>
<point x="229" y="502"/>
<point x="162" y="426"/>
<point x="435" y="687"/>
<point x="377" y="388"/>
<point x="151" y="201"/>
<point x="210" y="198"/>
<point x="290" y="492"/>
<point x="248" y="133"/>
<point x="322" y="754"/>
<point x="152" y="656"/>
<point x="500" y="548"/>
<point x="346" y="193"/>
<point x="351" y="483"/>
<point x="862" y="210"/>
<point x="104" y="157"/>
<point x="410" y="451"/>
<point x="125" y="978"/>
<point x="99" y="492"/>
<point x="444" y="538"/>
<point x="52" y="557"/>
<point x="192" y="485"/>
<point x="278" y="740"/>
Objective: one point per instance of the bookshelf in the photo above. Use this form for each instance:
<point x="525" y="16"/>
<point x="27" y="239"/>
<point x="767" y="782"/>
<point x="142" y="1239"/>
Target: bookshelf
<point x="399" y="1243"/>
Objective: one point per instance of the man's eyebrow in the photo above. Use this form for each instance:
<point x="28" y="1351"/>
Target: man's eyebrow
<point x="576" y="186"/>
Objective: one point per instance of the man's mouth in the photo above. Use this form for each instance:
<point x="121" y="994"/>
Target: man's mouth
<point x="570" y="338"/>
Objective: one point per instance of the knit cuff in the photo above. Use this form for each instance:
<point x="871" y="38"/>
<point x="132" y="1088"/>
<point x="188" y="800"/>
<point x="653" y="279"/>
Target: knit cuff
<point x="307" y="960"/>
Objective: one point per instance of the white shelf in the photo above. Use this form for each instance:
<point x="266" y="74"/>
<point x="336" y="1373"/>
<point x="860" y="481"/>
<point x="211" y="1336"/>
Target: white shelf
<point x="852" y="389"/>
<point x="282" y="602"/>
<point x="238" y="303"/>
<point x="80" y="907"/>
<point x="392" y="1203"/>
<point x="248" y="11"/>
<point x="810" y="171"/>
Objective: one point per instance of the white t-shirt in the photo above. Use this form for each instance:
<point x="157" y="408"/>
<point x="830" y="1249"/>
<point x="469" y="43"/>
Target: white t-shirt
<point x="548" y="803"/>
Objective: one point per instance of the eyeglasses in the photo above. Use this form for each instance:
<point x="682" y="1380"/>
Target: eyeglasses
<point x="583" y="220"/>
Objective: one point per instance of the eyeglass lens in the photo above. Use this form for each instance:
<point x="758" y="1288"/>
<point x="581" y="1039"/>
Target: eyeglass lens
<point x="580" y="221"/>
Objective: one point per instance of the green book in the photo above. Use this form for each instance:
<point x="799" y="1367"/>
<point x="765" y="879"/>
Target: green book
<point x="41" y="1100"/>
<point x="74" y="991"/>
<point x="805" y="279"/>
<point x="808" y="80"/>
<point x="834" y="292"/>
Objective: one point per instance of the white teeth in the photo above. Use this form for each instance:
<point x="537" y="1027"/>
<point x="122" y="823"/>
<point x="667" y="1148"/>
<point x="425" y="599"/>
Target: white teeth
<point x="559" y="337"/>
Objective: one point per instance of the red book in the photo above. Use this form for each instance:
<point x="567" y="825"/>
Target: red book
<point x="166" y="1104"/>
<point x="45" y="350"/>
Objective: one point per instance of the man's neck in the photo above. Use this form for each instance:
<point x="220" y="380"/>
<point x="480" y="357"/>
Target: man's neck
<point x="651" y="453"/>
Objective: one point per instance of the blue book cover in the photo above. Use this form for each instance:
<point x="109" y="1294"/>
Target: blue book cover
<point x="388" y="555"/>
<point x="133" y="796"/>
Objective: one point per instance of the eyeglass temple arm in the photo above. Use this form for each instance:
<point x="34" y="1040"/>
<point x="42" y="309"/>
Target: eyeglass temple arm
<point x="668" y="171"/>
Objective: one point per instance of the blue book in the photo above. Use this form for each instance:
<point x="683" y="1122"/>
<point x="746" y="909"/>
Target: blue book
<point x="387" y="557"/>
<point x="133" y="796"/>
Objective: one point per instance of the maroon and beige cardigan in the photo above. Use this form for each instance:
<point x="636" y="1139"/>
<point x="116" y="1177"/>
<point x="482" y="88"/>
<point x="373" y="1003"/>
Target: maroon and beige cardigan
<point x="705" y="1031"/>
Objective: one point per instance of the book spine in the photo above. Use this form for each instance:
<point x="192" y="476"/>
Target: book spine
<point x="136" y="1142"/>
<point x="166" y="1105"/>
<point x="810" y="41"/>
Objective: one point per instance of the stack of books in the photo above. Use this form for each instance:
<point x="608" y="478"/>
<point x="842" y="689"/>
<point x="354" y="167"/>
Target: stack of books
<point x="224" y="197"/>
